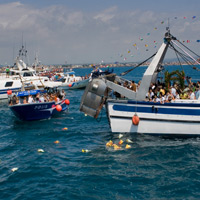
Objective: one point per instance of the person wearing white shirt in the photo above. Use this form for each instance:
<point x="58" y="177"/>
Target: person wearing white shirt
<point x="191" y="95"/>
<point x="42" y="98"/>
<point x="30" y="99"/>
<point x="197" y="95"/>
<point x="173" y="90"/>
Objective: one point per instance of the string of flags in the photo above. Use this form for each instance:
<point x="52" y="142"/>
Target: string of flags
<point x="154" y="43"/>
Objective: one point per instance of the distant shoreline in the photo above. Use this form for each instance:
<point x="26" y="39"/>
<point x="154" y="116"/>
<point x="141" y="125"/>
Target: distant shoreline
<point x="90" y="66"/>
<point x="118" y="65"/>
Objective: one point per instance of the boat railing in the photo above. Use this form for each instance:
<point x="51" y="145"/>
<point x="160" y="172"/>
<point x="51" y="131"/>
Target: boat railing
<point x="185" y="101"/>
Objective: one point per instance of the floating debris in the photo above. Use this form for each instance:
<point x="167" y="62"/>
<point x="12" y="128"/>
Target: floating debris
<point x="127" y="146"/>
<point x="40" y="150"/>
<point x="14" y="169"/>
<point x="120" y="135"/>
<point x="65" y="129"/>
<point x="116" y="147"/>
<point x="109" y="144"/>
<point x="129" y="141"/>
<point x="57" y="142"/>
<point x="121" y="142"/>
<point x="85" y="150"/>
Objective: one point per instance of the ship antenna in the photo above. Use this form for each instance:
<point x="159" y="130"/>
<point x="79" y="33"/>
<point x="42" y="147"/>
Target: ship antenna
<point x="167" y="28"/>
<point x="22" y="48"/>
<point x="167" y="34"/>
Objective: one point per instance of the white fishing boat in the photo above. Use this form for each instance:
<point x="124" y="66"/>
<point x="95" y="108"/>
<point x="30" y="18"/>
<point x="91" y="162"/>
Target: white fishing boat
<point x="69" y="80"/>
<point x="134" y="113"/>
<point x="78" y="84"/>
<point x="19" y="73"/>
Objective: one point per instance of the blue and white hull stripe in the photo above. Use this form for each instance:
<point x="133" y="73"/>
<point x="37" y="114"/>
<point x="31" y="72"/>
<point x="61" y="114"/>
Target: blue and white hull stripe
<point x="155" y="118"/>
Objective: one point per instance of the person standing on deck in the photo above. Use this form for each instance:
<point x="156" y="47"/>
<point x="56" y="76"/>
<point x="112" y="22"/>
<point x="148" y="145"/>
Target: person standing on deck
<point x="133" y="86"/>
<point x="197" y="95"/>
<point x="30" y="99"/>
<point x="7" y="72"/>
<point x="191" y="95"/>
<point x="173" y="90"/>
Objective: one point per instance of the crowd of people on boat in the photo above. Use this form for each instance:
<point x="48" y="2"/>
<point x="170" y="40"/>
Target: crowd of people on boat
<point x="127" y="84"/>
<point x="38" y="98"/>
<point x="160" y="93"/>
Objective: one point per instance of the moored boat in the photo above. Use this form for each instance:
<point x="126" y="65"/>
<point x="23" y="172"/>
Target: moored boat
<point x="69" y="80"/>
<point x="22" y="74"/>
<point x="79" y="84"/>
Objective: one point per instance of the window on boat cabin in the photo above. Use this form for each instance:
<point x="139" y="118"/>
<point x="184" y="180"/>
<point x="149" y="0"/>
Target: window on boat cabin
<point x="9" y="84"/>
<point x="12" y="73"/>
<point x="27" y="74"/>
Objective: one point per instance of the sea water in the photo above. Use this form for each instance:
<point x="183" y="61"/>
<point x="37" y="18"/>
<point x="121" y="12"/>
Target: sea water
<point x="153" y="168"/>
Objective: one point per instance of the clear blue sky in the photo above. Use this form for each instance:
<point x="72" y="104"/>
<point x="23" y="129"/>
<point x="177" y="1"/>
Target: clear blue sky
<point x="94" y="31"/>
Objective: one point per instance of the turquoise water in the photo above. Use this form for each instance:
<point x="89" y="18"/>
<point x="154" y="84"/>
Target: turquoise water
<point x="154" y="167"/>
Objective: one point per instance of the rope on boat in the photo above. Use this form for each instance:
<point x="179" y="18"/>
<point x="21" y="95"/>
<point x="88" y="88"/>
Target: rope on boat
<point x="176" y="52"/>
<point x="188" y="48"/>
<point x="185" y="57"/>
<point x="186" y="53"/>
<point x="126" y="72"/>
<point x="99" y="119"/>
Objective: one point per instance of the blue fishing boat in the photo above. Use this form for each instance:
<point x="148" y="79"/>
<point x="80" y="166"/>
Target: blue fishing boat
<point x="36" y="109"/>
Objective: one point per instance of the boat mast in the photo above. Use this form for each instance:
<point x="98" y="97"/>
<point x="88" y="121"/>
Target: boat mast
<point x="20" y="61"/>
<point x="150" y="75"/>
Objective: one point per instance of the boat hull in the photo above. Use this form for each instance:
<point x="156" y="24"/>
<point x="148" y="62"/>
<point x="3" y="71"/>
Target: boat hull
<point x="79" y="85"/>
<point x="37" y="111"/>
<point x="75" y="85"/>
<point x="155" y="118"/>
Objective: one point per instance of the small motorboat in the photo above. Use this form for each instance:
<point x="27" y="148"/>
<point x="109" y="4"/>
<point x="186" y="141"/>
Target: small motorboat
<point x="79" y="84"/>
<point x="37" y="104"/>
<point x="70" y="81"/>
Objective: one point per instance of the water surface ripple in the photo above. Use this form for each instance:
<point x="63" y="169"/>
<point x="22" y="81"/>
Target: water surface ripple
<point x="154" y="168"/>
